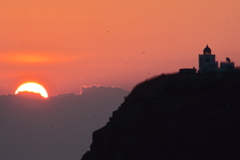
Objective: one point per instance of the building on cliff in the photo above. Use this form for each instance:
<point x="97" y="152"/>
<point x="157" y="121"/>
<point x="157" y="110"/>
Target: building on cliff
<point x="207" y="64"/>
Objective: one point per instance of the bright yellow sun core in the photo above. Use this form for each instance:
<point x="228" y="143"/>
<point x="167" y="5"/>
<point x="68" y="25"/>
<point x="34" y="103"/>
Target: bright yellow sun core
<point x="32" y="87"/>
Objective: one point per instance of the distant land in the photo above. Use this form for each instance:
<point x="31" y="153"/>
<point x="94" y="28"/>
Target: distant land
<point x="174" y="116"/>
<point x="54" y="128"/>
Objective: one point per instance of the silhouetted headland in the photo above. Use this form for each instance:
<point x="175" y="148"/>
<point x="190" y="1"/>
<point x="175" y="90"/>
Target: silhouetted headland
<point x="174" y="117"/>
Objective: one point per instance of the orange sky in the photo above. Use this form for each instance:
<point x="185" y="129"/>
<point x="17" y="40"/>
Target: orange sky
<point x="64" y="44"/>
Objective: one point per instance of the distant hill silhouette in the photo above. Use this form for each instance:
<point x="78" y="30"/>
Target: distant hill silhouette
<point x="174" y="117"/>
<point x="30" y="95"/>
<point x="55" y="128"/>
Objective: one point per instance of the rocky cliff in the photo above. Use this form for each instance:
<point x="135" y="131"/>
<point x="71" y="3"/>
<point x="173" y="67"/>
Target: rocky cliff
<point x="174" y="117"/>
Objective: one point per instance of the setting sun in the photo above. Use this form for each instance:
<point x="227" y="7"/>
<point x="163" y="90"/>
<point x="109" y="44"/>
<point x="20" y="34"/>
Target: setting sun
<point x="32" y="87"/>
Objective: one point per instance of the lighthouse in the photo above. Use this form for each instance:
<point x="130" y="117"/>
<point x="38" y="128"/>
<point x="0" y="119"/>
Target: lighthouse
<point x="207" y="61"/>
<point x="208" y="65"/>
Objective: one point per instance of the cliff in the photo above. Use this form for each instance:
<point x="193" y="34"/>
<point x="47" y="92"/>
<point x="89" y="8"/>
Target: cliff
<point x="174" y="117"/>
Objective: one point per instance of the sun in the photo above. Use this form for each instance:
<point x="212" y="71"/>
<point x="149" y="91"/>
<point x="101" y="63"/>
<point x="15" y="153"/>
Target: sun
<point x="32" y="87"/>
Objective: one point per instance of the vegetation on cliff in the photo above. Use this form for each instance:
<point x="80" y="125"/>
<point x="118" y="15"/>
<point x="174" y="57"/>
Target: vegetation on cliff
<point x="174" y="117"/>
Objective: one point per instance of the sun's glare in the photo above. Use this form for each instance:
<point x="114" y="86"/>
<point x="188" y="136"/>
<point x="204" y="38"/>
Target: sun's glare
<point x="32" y="87"/>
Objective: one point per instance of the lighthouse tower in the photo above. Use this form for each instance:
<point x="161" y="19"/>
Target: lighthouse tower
<point x="207" y="61"/>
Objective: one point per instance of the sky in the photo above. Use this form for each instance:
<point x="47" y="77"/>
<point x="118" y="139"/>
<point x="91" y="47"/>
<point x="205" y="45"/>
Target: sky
<point x="68" y="46"/>
<point x="64" y="44"/>
<point x="59" y="127"/>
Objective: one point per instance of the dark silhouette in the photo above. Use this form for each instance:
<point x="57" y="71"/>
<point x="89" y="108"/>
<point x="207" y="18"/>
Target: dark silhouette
<point x="228" y="59"/>
<point x="174" y="117"/>
<point x="54" y="128"/>
<point x="30" y="95"/>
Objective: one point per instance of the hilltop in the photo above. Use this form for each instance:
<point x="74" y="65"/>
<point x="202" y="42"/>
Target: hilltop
<point x="174" y="117"/>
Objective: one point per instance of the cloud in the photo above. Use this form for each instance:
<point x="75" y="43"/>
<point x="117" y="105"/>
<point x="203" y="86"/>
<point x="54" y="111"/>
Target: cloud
<point x="85" y="90"/>
<point x="36" y="57"/>
<point x="59" y="127"/>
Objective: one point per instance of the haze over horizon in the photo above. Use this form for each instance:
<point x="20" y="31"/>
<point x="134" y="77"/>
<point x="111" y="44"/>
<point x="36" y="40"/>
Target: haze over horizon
<point x="59" y="127"/>
<point x="66" y="44"/>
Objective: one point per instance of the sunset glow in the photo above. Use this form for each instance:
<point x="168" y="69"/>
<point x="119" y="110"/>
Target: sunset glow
<point x="67" y="44"/>
<point x="32" y="87"/>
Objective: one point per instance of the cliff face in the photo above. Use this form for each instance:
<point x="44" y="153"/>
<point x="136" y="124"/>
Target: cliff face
<point x="174" y="117"/>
